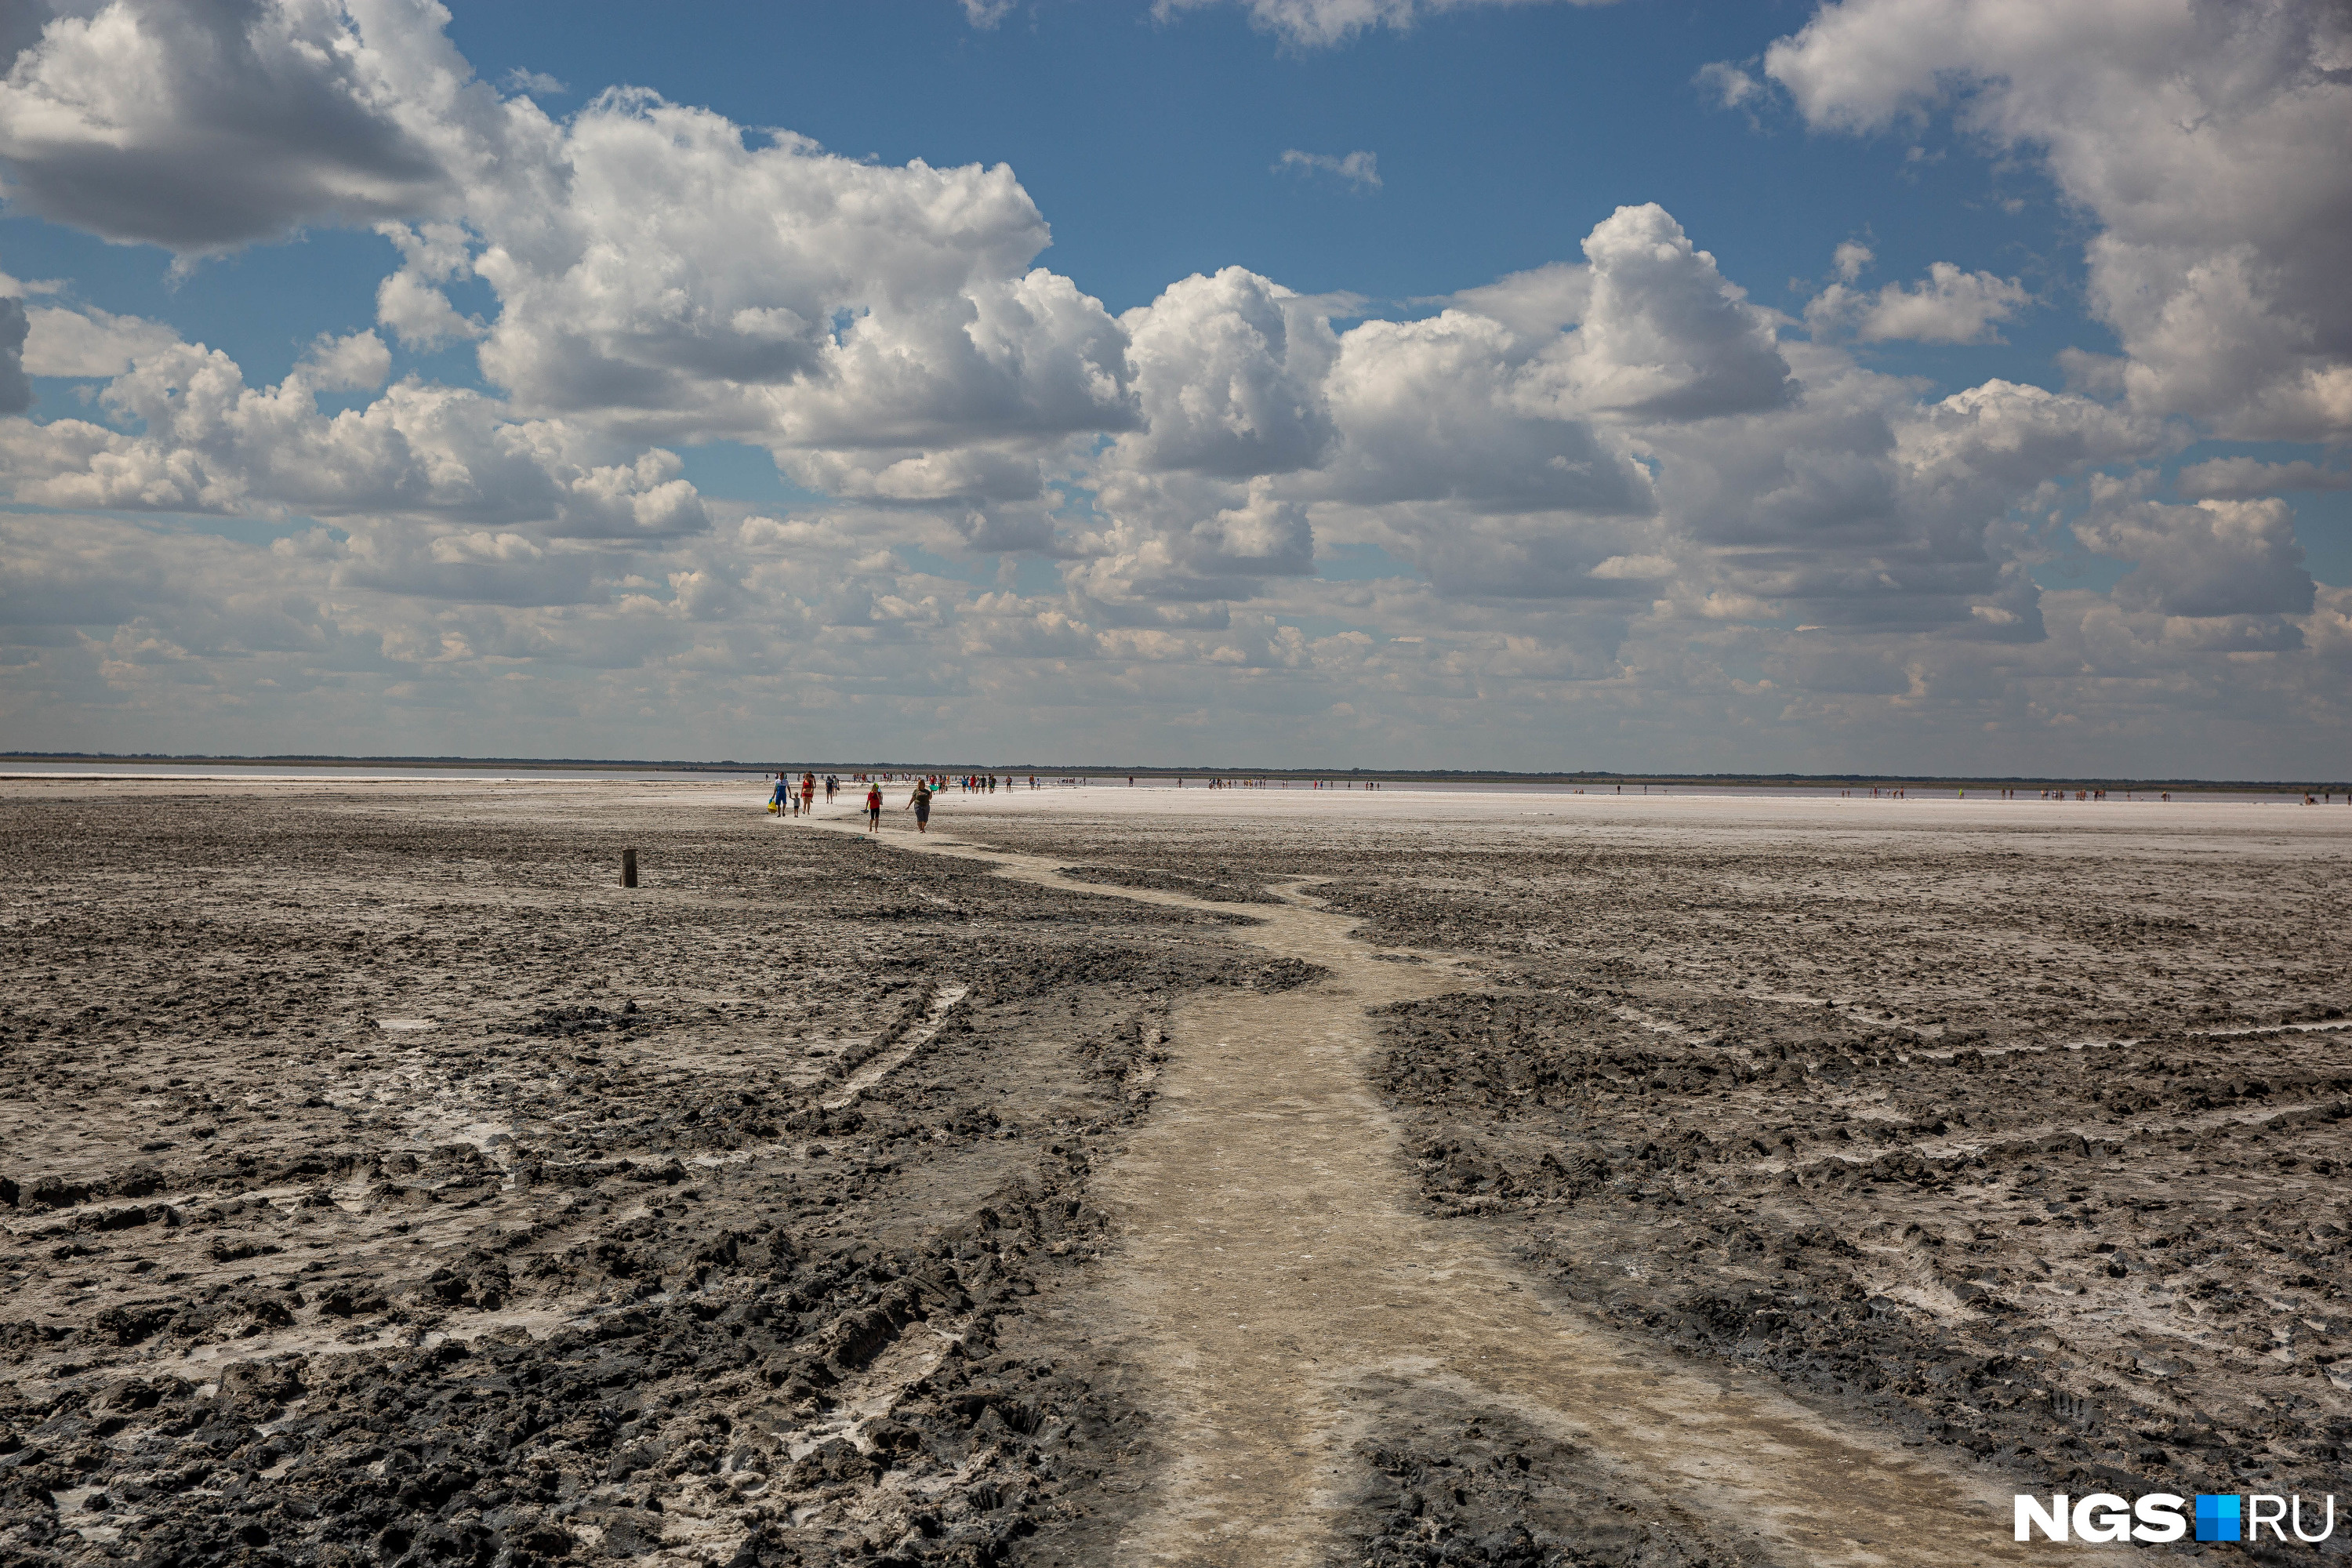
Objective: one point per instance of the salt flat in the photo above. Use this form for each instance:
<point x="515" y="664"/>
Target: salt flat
<point x="1157" y="1175"/>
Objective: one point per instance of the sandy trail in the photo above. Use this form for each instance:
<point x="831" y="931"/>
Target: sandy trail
<point x="1278" y="1273"/>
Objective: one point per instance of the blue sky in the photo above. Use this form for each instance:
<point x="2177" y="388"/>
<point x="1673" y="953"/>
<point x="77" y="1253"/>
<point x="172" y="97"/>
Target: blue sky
<point x="1916" y="503"/>
<point x="1153" y="148"/>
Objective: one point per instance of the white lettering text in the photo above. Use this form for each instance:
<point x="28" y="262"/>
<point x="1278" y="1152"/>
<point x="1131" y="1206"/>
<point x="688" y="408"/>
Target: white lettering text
<point x="2052" y="1523"/>
<point x="2159" y="1518"/>
<point x="2101" y="1516"/>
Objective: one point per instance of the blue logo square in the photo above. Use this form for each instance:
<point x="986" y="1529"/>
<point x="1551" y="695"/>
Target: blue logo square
<point x="2217" y="1518"/>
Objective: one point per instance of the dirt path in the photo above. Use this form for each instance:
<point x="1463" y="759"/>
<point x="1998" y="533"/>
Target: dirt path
<point x="1278" y="1280"/>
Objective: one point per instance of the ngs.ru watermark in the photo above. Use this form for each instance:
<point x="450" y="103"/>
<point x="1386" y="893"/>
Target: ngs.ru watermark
<point x="2158" y="1517"/>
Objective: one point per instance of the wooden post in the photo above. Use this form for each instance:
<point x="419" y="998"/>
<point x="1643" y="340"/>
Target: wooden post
<point x="628" y="867"/>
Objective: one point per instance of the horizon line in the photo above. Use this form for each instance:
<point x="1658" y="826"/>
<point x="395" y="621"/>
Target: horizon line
<point x="1185" y="771"/>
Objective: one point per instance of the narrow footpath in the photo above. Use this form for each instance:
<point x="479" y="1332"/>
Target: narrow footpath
<point x="1279" y="1278"/>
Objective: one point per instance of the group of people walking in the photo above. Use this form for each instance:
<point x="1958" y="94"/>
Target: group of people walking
<point x="791" y="799"/>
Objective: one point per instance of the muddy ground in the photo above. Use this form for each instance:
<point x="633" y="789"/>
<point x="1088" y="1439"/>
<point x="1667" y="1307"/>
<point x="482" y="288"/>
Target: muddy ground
<point x="383" y="1184"/>
<point x="2026" y="1145"/>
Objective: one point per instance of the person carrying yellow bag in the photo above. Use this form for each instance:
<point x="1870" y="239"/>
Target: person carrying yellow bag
<point x="776" y="796"/>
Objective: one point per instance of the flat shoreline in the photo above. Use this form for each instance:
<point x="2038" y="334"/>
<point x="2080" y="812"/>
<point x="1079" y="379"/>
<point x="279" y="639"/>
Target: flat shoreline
<point x="1400" y="800"/>
<point x="39" y="764"/>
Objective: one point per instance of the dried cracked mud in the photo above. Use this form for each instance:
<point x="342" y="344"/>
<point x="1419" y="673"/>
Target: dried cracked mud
<point x="1121" y="1181"/>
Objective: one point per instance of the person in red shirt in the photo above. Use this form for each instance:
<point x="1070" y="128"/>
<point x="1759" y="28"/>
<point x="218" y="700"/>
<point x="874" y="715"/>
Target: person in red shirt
<point x="874" y="808"/>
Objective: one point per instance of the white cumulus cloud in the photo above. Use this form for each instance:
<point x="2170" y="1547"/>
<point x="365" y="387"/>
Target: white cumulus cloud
<point x="2242" y="479"/>
<point x="1729" y="85"/>
<point x="1948" y="307"/>
<point x="204" y="124"/>
<point x="204" y="441"/>
<point x="89" y="343"/>
<point x="536" y="84"/>
<point x="1358" y="169"/>
<point x="2205" y="142"/>
<point x="357" y="362"/>
<point x="1315" y="23"/>
<point x="1604" y="484"/>
<point x="1229" y="373"/>
<point x="1665" y="334"/>
<point x="2215" y="558"/>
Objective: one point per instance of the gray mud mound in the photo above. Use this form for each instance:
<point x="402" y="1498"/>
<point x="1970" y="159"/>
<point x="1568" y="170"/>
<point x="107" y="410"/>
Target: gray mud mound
<point x="1288" y="974"/>
<point x="564" y="1022"/>
<point x="1447" y="1484"/>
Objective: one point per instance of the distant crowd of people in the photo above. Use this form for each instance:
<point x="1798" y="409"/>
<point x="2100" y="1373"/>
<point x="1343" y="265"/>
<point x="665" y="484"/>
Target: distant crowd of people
<point x="792" y="797"/>
<point x="798" y="798"/>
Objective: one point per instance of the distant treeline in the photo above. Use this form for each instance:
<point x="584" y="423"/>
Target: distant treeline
<point x="1106" y="771"/>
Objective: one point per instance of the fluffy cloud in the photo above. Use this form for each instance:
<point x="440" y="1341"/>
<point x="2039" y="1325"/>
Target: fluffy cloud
<point x="473" y="566"/>
<point x="89" y="343"/>
<point x="1664" y="334"/>
<point x="532" y="84"/>
<point x="1458" y="409"/>
<point x="1180" y="546"/>
<point x="2242" y="479"/>
<point x="1228" y="374"/>
<point x="643" y="277"/>
<point x="1977" y="450"/>
<point x="1727" y="85"/>
<point x="1857" y="508"/>
<point x="411" y="302"/>
<point x="1492" y="454"/>
<point x="1539" y="300"/>
<point x="2215" y="558"/>
<point x="1600" y="491"/>
<point x="645" y="281"/>
<point x="359" y="362"/>
<point x="207" y="442"/>
<point x="2206" y="141"/>
<point x="1609" y="435"/>
<point x="200" y="124"/>
<point x="1950" y="307"/>
<point x="1312" y="23"/>
<point x="1362" y="170"/>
